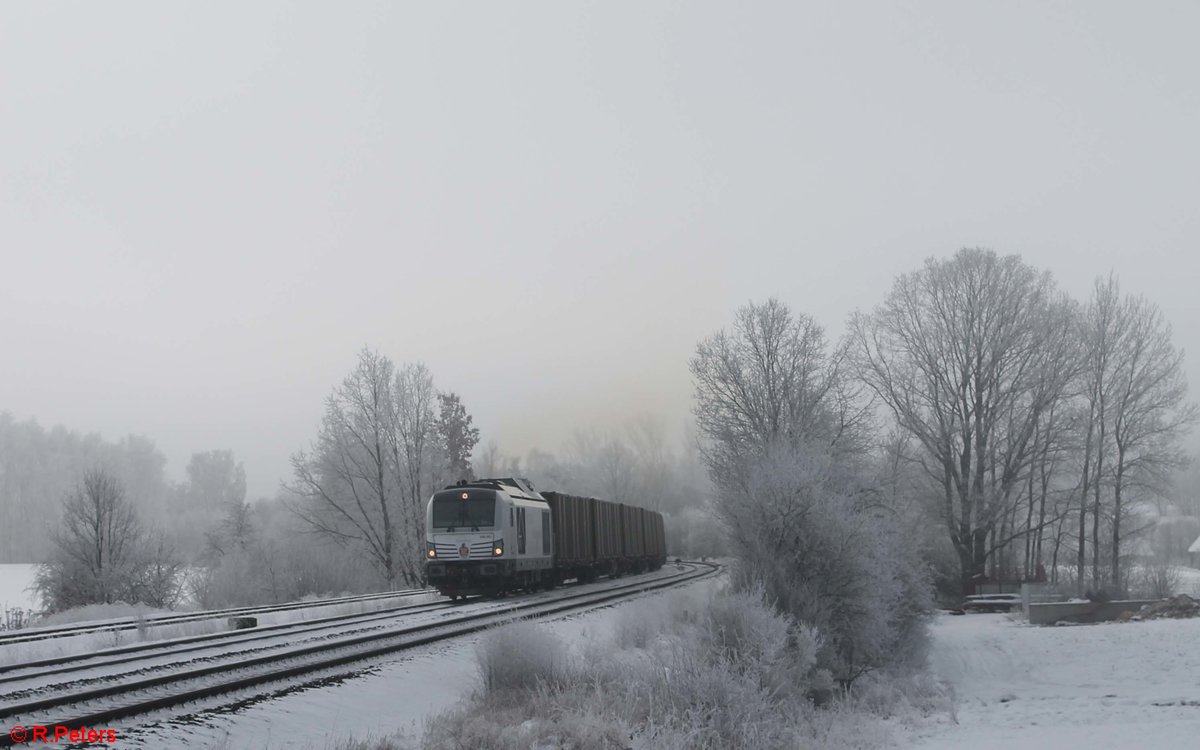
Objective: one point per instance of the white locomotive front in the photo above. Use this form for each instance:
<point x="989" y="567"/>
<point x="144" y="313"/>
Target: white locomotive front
<point x="489" y="536"/>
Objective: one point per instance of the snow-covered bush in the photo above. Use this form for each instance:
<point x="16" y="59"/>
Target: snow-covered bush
<point x="520" y="655"/>
<point x="725" y="672"/>
<point x="802" y="527"/>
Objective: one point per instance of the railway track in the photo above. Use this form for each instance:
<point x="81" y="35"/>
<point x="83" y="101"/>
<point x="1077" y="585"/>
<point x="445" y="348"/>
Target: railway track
<point x="28" y="635"/>
<point x="229" y="640"/>
<point x="110" y="698"/>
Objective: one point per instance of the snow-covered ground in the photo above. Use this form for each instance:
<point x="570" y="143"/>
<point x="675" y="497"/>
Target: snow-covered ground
<point x="1115" y="685"/>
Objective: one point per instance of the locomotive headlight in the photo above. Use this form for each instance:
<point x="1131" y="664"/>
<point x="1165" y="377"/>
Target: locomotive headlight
<point x="430" y="550"/>
<point x="498" y="548"/>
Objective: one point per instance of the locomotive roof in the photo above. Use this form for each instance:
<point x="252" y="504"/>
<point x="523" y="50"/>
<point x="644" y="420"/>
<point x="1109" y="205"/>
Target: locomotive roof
<point x="512" y="486"/>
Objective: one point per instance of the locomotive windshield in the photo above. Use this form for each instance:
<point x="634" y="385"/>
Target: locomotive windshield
<point x="451" y="511"/>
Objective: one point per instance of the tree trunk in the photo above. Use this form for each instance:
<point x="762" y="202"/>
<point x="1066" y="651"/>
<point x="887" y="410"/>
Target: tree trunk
<point x="1116" y="524"/>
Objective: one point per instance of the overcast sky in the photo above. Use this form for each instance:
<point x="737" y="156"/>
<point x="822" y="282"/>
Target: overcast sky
<point x="206" y="210"/>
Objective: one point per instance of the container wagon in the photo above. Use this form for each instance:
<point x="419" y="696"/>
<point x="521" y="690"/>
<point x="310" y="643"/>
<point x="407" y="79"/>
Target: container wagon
<point x="493" y="536"/>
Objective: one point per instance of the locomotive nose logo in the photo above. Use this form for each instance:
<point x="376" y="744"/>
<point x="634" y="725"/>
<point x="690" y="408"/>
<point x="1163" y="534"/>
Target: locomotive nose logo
<point x="464" y="551"/>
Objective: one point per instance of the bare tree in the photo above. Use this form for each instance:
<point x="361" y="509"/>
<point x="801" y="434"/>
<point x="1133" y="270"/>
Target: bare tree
<point x="375" y="460"/>
<point x="348" y="481"/>
<point x="102" y="554"/>
<point x="771" y="378"/>
<point x="1149" y="411"/>
<point x="1102" y="327"/>
<point x="969" y="354"/>
<point x="617" y="472"/>
<point x="422" y="462"/>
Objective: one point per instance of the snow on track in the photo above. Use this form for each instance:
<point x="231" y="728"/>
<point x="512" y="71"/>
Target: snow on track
<point x="1114" y="685"/>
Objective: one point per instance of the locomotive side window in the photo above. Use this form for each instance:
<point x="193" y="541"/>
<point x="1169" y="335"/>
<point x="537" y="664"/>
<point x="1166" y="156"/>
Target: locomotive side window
<point x="452" y="511"/>
<point x="510" y="518"/>
<point x="545" y="532"/>
<point x="521" y="531"/>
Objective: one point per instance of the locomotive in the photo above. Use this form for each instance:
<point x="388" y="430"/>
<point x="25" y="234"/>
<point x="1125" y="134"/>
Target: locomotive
<point x="495" y="536"/>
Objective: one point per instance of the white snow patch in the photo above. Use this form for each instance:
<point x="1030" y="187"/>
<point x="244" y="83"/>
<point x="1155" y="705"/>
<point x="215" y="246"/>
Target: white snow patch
<point x="1117" y="685"/>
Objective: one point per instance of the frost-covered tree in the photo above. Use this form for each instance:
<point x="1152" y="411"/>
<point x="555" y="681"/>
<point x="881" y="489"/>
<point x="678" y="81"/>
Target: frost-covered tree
<point x="969" y="354"/>
<point x="830" y="554"/>
<point x="366" y="479"/>
<point x="783" y="441"/>
<point x="771" y="377"/>
<point x="102" y="553"/>
<point x="1149" y="412"/>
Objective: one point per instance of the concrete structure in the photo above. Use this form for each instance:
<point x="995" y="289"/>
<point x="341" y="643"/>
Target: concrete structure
<point x="1050" y="613"/>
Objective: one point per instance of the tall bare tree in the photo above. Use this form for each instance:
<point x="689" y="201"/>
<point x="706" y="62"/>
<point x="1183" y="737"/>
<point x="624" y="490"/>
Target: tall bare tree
<point x="1149" y="412"/>
<point x="100" y="533"/>
<point x="367" y="476"/>
<point x="421" y="460"/>
<point x="771" y="378"/>
<point x="969" y="354"/>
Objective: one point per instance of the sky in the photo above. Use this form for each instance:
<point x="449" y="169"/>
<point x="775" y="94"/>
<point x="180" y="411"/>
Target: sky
<point x="207" y="209"/>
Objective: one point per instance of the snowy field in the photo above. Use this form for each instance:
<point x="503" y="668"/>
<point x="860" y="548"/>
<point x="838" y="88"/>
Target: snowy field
<point x="1114" y="685"/>
<point x="15" y="578"/>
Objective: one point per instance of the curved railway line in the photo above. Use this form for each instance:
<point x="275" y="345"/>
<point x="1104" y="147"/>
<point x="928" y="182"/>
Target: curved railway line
<point x="132" y="684"/>
<point x="28" y="635"/>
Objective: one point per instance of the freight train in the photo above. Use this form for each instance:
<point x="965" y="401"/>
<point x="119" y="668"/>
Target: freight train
<point x="496" y="536"/>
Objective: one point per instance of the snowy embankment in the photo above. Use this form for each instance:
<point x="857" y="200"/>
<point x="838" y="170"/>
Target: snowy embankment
<point x="1114" y="685"/>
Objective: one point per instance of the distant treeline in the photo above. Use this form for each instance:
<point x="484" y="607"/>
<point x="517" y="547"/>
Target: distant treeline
<point x="40" y="466"/>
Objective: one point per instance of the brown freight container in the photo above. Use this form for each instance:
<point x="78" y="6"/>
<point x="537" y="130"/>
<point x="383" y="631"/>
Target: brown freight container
<point x="652" y="523"/>
<point x="657" y="551"/>
<point x="574" y="543"/>
<point x="607" y="529"/>
<point x="632" y="534"/>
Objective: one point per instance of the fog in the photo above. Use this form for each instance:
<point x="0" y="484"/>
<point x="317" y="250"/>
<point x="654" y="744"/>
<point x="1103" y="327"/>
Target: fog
<point x="207" y="210"/>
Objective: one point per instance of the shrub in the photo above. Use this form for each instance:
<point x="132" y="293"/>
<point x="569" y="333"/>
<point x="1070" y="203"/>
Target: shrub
<point x="804" y="529"/>
<point x="520" y="655"/>
<point x="729" y="672"/>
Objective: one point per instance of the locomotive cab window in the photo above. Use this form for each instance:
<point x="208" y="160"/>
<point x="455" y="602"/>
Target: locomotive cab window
<point x="452" y="511"/>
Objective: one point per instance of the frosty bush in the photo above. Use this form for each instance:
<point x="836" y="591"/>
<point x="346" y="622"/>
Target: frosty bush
<point x="728" y="672"/>
<point x="825" y="553"/>
<point x="521" y="655"/>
